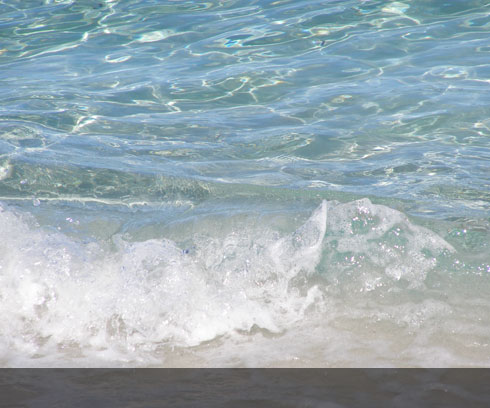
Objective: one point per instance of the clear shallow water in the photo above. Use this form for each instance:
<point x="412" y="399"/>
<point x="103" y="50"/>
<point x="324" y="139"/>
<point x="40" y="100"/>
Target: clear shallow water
<point x="245" y="183"/>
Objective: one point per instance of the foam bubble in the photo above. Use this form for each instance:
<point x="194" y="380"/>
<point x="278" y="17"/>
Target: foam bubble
<point x="60" y="293"/>
<point x="381" y="242"/>
<point x="124" y="302"/>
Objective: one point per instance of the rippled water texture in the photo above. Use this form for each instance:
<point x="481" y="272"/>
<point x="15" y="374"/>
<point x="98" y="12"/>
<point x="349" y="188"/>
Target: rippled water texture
<point x="244" y="183"/>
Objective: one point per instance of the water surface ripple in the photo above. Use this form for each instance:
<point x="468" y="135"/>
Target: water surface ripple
<point x="372" y="97"/>
<point x="138" y="120"/>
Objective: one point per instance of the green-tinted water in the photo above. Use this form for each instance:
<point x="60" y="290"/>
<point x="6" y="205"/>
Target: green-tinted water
<point x="164" y="166"/>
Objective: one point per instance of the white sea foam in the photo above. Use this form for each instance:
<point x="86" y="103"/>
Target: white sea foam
<point x="61" y="294"/>
<point x="122" y="302"/>
<point x="376" y="237"/>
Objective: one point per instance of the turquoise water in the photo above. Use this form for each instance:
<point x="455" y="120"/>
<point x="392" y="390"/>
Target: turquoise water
<point x="244" y="183"/>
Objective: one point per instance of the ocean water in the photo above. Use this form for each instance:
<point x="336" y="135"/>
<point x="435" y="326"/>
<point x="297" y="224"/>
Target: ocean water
<point x="245" y="183"/>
